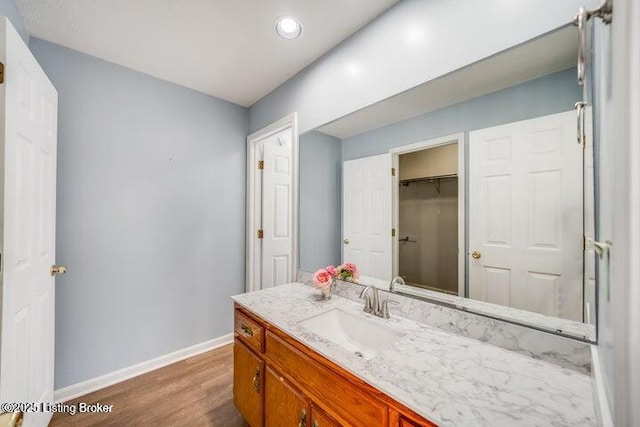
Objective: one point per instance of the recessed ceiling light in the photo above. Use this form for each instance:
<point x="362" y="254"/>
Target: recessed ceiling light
<point x="288" y="27"/>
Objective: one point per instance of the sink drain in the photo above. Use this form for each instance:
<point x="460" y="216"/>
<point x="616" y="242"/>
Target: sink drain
<point x="357" y="353"/>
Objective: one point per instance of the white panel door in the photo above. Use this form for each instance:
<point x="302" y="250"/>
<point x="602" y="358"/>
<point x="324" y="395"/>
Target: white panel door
<point x="366" y="204"/>
<point x="526" y="216"/>
<point x="29" y="141"/>
<point x="277" y="209"/>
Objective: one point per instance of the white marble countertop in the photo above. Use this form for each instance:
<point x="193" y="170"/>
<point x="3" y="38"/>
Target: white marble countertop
<point x="448" y="379"/>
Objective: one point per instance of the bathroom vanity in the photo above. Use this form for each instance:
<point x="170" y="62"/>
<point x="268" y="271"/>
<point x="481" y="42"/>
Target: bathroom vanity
<point x="301" y="361"/>
<point x="280" y="381"/>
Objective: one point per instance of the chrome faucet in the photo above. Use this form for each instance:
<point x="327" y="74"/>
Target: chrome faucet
<point x="372" y="302"/>
<point x="396" y="280"/>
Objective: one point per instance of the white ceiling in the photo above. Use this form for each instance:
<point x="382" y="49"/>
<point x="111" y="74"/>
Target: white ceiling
<point x="225" y="48"/>
<point x="544" y="55"/>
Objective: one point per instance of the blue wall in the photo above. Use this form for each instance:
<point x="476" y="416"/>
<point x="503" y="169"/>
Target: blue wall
<point x="9" y="9"/>
<point x="150" y="214"/>
<point x="320" y="200"/>
<point x="546" y="95"/>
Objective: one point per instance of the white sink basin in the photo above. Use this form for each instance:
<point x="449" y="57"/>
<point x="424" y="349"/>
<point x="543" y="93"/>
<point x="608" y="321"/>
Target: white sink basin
<point x="355" y="333"/>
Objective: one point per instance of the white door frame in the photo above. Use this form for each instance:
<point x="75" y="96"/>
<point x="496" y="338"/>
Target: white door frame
<point x="254" y="184"/>
<point x="395" y="160"/>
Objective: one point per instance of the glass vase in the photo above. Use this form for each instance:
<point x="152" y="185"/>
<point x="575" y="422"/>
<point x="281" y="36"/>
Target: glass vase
<point x="325" y="293"/>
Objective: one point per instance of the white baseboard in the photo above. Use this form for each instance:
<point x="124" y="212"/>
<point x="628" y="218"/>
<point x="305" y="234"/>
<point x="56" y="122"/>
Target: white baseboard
<point x="88" y="386"/>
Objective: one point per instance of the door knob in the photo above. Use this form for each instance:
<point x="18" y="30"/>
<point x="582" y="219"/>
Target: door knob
<point x="476" y="254"/>
<point x="57" y="269"/>
<point x="9" y="419"/>
<point x="346" y="241"/>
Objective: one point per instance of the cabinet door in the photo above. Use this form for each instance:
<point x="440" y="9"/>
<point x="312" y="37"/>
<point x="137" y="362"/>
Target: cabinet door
<point x="248" y="384"/>
<point x="284" y="405"/>
<point x="320" y="419"/>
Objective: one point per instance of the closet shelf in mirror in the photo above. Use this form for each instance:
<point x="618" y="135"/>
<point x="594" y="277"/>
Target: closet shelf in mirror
<point x="406" y="182"/>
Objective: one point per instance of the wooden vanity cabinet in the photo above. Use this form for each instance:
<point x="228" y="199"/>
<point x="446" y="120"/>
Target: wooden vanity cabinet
<point x="251" y="332"/>
<point x="248" y="384"/>
<point x="319" y="418"/>
<point x="404" y="422"/>
<point x="280" y="382"/>
<point x="284" y="405"/>
<point x="398" y="419"/>
<point x="348" y="402"/>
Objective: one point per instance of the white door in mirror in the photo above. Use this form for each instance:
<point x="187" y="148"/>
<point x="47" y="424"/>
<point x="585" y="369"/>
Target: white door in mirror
<point x="30" y="140"/>
<point x="366" y="204"/>
<point x="526" y="215"/>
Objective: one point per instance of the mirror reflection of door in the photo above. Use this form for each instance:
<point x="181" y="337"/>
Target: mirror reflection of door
<point x="428" y="218"/>
<point x="367" y="215"/>
<point x="526" y="216"/>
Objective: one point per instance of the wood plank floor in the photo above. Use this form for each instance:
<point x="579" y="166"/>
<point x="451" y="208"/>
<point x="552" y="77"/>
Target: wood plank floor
<point x="192" y="392"/>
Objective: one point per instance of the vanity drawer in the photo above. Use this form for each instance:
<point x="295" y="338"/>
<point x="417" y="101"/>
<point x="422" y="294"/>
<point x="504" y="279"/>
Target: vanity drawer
<point x="340" y="398"/>
<point x="249" y="331"/>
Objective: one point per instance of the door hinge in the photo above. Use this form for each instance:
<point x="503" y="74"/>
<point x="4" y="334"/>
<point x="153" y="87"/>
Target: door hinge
<point x="1" y="73"/>
<point x="584" y="244"/>
<point x="260" y="164"/>
<point x="260" y="234"/>
<point x="393" y="232"/>
<point x="393" y="171"/>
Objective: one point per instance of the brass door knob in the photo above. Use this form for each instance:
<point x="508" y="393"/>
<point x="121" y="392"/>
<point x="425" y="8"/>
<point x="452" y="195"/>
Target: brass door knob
<point x="346" y="241"/>
<point x="8" y="419"/>
<point x="57" y="269"/>
<point x="476" y="255"/>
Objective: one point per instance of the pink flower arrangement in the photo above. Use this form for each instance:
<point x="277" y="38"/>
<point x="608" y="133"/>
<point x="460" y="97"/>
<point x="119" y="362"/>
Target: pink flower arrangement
<point x="332" y="270"/>
<point x="348" y="272"/>
<point x="324" y="277"/>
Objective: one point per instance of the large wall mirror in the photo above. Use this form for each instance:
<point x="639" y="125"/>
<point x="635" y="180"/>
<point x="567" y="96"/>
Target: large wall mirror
<point x="474" y="188"/>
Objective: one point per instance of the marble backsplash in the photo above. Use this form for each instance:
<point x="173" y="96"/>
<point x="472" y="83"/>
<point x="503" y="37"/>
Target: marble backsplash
<point x="545" y="346"/>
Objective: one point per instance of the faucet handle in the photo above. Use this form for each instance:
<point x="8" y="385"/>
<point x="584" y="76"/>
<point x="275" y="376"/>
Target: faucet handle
<point x="363" y="292"/>
<point x="368" y="304"/>
<point x="368" y="300"/>
<point x="385" y="307"/>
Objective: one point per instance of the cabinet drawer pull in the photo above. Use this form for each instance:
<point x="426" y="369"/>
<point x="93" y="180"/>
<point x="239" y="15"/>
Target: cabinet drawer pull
<point x="247" y="330"/>
<point x="256" y="380"/>
<point x="303" y="418"/>
<point x="315" y="423"/>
